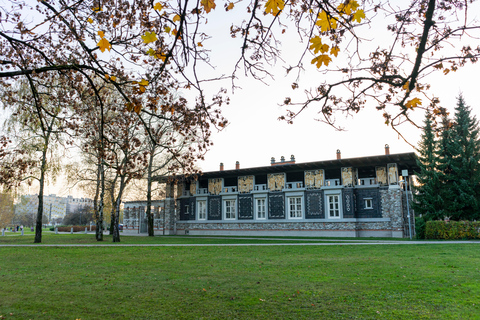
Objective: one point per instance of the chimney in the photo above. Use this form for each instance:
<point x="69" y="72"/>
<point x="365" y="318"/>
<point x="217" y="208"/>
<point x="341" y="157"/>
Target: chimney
<point x="387" y="149"/>
<point x="292" y="158"/>
<point x="272" y="161"/>
<point x="237" y="165"/>
<point x="282" y="159"/>
<point x="339" y="154"/>
<point x="221" y="166"/>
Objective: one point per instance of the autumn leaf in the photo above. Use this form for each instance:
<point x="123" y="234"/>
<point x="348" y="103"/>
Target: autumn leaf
<point x="90" y="20"/>
<point x="274" y="6"/>
<point x="358" y="16"/>
<point x="97" y="9"/>
<point x="334" y="51"/>
<point x="176" y="18"/>
<point x="208" y="5"/>
<point x="107" y="76"/>
<point x="326" y="22"/>
<point x="143" y="82"/>
<point x="149" y="37"/>
<point x="199" y="44"/>
<point x="438" y="66"/>
<point x="101" y="34"/>
<point x="406" y="86"/>
<point x="348" y="7"/>
<point x="229" y="7"/>
<point x="158" y="6"/>
<point x="168" y="29"/>
<point x="321" y="59"/>
<point x="316" y="45"/>
<point x="137" y="108"/>
<point x="104" y="44"/>
<point x="113" y="78"/>
<point x="413" y="103"/>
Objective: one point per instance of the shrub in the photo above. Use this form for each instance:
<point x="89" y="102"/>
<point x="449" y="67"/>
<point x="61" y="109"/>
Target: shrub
<point x="420" y="225"/>
<point x="452" y="230"/>
<point x="75" y="228"/>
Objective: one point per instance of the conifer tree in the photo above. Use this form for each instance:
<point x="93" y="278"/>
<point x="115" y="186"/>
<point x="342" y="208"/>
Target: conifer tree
<point x="445" y="168"/>
<point x="428" y="201"/>
<point x="465" y="164"/>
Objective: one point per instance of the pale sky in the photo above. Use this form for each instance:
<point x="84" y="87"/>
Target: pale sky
<point x="254" y="134"/>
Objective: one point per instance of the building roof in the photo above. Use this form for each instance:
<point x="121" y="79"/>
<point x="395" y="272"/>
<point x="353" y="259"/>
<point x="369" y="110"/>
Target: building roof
<point x="365" y="165"/>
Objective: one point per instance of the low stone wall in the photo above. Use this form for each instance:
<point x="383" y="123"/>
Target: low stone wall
<point x="339" y="229"/>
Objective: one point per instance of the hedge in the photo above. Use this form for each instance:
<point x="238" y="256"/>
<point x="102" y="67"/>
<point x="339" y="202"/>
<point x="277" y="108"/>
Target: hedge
<point x="76" y="228"/>
<point x="452" y="230"/>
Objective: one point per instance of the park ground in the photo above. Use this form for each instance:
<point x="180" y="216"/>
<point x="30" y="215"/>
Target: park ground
<point x="73" y="277"/>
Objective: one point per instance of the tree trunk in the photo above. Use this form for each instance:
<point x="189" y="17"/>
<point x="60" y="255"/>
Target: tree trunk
<point x="116" y="215"/>
<point x="151" y="232"/>
<point x="38" y="228"/>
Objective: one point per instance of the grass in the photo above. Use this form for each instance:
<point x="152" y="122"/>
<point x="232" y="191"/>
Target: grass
<point x="429" y="281"/>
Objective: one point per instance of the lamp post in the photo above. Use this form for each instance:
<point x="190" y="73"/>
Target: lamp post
<point x="405" y="176"/>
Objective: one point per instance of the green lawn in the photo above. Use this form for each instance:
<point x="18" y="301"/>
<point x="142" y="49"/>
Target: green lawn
<point x="430" y="281"/>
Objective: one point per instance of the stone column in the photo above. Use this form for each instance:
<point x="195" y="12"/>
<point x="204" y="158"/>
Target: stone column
<point x="169" y="212"/>
<point x="392" y="207"/>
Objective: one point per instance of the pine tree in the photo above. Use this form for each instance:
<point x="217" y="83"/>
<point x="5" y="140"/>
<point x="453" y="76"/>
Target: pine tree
<point x="428" y="201"/>
<point x="466" y="163"/>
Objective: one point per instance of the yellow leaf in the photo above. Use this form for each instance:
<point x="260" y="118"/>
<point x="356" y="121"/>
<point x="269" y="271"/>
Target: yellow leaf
<point x="317" y="45"/>
<point x="137" y="108"/>
<point x="230" y="6"/>
<point x="321" y="59"/>
<point x="101" y="34"/>
<point x="143" y="82"/>
<point x="274" y="6"/>
<point x="142" y="89"/>
<point x="113" y="78"/>
<point x="151" y="52"/>
<point x="97" y="9"/>
<point x="107" y="76"/>
<point x="90" y="20"/>
<point x="199" y="44"/>
<point x="358" y="16"/>
<point x="326" y="22"/>
<point x="168" y="29"/>
<point x="348" y="7"/>
<point x="104" y="44"/>
<point x="158" y="6"/>
<point x="406" y="85"/>
<point x="208" y="5"/>
<point x="149" y="37"/>
<point x="176" y="18"/>
<point x="413" y="103"/>
<point x="334" y="51"/>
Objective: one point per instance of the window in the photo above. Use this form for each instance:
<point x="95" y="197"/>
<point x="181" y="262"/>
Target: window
<point x="368" y="203"/>
<point x="295" y="207"/>
<point x="230" y="210"/>
<point x="261" y="208"/>
<point x="333" y="206"/>
<point x="202" y="210"/>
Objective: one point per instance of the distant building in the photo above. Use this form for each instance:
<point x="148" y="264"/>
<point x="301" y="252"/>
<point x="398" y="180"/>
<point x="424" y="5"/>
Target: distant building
<point x="54" y="207"/>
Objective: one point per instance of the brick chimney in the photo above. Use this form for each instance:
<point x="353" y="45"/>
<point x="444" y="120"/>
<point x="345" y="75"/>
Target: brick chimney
<point x="339" y="154"/>
<point x="387" y="149"/>
<point x="237" y="165"/>
<point x="221" y="166"/>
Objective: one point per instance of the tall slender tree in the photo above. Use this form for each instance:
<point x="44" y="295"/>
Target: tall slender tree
<point x="428" y="201"/>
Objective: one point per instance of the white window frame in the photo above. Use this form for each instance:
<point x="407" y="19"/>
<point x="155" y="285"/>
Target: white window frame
<point x="202" y="215"/>
<point x="328" y="197"/>
<point x="368" y="203"/>
<point x="257" y="207"/>
<point x="295" y="202"/>
<point x="229" y="208"/>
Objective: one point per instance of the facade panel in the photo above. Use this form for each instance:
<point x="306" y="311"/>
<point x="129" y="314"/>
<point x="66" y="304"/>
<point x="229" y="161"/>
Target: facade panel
<point x="276" y="205"/>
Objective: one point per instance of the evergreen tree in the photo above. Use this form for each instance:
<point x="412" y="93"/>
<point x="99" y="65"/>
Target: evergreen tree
<point x="428" y="201"/>
<point x="465" y="164"/>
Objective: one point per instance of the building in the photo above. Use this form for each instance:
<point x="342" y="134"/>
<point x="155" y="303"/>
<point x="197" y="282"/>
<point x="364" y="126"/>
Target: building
<point x="135" y="219"/>
<point x="356" y="197"/>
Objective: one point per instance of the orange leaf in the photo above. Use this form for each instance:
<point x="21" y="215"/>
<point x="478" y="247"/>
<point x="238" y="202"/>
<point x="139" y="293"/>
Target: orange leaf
<point x="208" y="5"/>
<point x="104" y="44"/>
<point x="230" y="6"/>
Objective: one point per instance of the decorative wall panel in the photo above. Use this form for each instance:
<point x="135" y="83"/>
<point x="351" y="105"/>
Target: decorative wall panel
<point x="184" y="208"/>
<point x="374" y="195"/>
<point x="180" y="188"/>
<point x="392" y="173"/>
<point x="276" y="206"/>
<point x="348" y="177"/>
<point x="245" y="184"/>
<point x="314" y="206"/>
<point x="214" y="208"/>
<point x="314" y="179"/>
<point x="276" y="181"/>
<point x="193" y="188"/>
<point x="215" y="186"/>
<point x="381" y="175"/>
<point x="348" y="203"/>
<point x="245" y="207"/>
